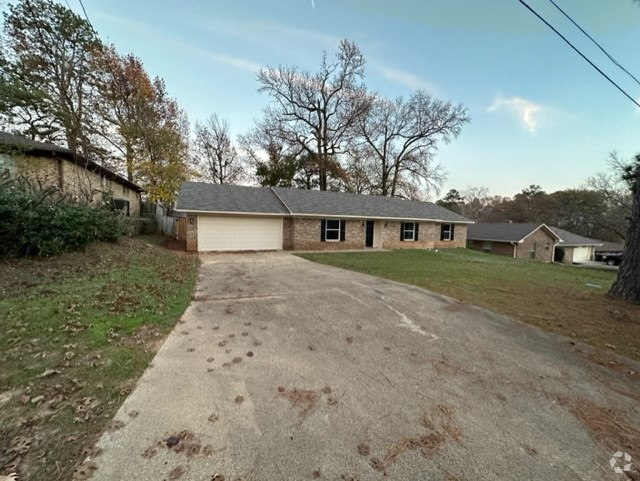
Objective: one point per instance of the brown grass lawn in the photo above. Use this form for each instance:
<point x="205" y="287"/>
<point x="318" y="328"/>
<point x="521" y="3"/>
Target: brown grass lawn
<point x="76" y="333"/>
<point x="555" y="297"/>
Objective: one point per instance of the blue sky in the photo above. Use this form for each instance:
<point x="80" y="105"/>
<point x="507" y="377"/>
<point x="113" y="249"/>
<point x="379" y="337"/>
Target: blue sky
<point x="540" y="113"/>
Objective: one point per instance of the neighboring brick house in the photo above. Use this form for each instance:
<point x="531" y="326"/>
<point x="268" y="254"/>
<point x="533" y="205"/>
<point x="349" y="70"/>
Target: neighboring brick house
<point x="50" y="165"/>
<point x="576" y="248"/>
<point x="234" y="218"/>
<point x="520" y="241"/>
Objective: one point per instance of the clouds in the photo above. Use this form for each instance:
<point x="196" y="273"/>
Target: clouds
<point x="528" y="113"/>
<point x="405" y="78"/>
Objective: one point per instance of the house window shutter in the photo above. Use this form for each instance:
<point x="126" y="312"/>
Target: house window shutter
<point x="401" y="231"/>
<point x="342" y="230"/>
<point x="442" y="232"/>
<point x="415" y="236"/>
<point x="323" y="225"/>
<point x="452" y="230"/>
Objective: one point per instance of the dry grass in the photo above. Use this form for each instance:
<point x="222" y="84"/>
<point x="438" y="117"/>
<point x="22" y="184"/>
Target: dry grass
<point x="605" y="424"/>
<point x="440" y="427"/>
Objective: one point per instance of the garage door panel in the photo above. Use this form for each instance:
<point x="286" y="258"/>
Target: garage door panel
<point x="239" y="233"/>
<point x="581" y="254"/>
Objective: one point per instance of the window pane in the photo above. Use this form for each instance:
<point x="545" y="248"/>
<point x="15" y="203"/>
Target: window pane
<point x="409" y="231"/>
<point x="333" y="224"/>
<point x="332" y="230"/>
<point x="333" y="235"/>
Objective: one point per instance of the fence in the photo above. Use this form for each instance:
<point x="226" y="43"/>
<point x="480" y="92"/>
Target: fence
<point x="166" y="223"/>
<point x="181" y="228"/>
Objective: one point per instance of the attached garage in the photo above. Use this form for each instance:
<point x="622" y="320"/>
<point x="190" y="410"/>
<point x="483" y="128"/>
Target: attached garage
<point x="223" y="233"/>
<point x="581" y="254"/>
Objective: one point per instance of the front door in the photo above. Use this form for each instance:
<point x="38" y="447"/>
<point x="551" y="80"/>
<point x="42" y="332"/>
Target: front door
<point x="368" y="242"/>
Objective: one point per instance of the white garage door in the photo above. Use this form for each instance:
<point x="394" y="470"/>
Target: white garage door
<point x="239" y="233"/>
<point x="581" y="254"/>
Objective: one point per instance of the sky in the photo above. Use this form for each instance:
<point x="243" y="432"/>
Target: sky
<point x="539" y="113"/>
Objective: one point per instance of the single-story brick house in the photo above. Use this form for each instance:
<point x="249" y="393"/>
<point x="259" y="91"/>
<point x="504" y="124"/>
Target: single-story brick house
<point x="576" y="248"/>
<point x="50" y="165"/>
<point x="530" y="241"/>
<point x="520" y="241"/>
<point x="233" y="218"/>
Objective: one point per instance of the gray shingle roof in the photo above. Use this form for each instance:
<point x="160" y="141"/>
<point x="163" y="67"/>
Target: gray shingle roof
<point x="315" y="202"/>
<point x="503" y="231"/>
<point x="204" y="197"/>
<point x="610" y="247"/>
<point x="571" y="239"/>
<point x="23" y="144"/>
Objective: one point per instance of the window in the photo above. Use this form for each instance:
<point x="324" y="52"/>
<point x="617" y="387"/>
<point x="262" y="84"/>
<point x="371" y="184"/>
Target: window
<point x="409" y="231"/>
<point x="486" y="247"/>
<point x="446" y="232"/>
<point x="534" y="247"/>
<point x="332" y="230"/>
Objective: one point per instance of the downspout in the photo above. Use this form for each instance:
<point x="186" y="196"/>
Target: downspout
<point x="515" y="245"/>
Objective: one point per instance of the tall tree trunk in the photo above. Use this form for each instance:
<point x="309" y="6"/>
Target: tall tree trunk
<point x="627" y="284"/>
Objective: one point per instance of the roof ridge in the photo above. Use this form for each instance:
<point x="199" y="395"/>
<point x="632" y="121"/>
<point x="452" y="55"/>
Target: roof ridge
<point x="280" y="199"/>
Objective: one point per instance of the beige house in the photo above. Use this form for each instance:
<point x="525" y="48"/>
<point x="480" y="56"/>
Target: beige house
<point x="81" y="178"/>
<point x="236" y="218"/>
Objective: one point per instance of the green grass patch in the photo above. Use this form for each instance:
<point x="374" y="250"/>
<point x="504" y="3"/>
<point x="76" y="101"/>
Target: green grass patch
<point x="76" y="332"/>
<point x="559" y="298"/>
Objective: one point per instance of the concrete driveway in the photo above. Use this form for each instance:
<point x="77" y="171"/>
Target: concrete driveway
<point x="282" y="369"/>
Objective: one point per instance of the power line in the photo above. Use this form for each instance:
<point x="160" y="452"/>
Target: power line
<point x="85" y="11"/>
<point x="579" y="53"/>
<point x="596" y="43"/>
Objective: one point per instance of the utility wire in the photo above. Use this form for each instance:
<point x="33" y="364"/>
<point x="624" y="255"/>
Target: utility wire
<point x="579" y="53"/>
<point x="596" y="43"/>
<point x="85" y="11"/>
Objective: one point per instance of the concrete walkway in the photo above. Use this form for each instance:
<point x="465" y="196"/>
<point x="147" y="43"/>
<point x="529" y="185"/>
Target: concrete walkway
<point x="282" y="369"/>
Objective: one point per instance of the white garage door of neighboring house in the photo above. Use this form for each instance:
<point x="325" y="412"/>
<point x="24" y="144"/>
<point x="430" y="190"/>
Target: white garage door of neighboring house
<point x="239" y="233"/>
<point x="581" y="254"/>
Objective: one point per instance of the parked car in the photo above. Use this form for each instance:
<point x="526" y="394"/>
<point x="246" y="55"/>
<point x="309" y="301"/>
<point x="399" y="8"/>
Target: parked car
<point x="612" y="259"/>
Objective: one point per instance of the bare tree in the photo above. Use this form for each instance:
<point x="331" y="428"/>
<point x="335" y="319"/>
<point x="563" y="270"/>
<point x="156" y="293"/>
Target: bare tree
<point x="216" y="153"/>
<point x="316" y="111"/>
<point x="612" y="186"/>
<point x="402" y="137"/>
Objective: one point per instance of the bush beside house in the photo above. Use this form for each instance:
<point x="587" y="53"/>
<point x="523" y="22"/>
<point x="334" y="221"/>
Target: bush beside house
<point x="36" y="222"/>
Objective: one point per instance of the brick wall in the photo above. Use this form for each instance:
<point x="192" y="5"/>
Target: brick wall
<point x="428" y="237"/>
<point x="543" y="244"/>
<point x="192" y="233"/>
<point x="39" y="169"/>
<point x="497" y="248"/>
<point x="306" y="235"/>
<point x="70" y="178"/>
<point x="287" y="234"/>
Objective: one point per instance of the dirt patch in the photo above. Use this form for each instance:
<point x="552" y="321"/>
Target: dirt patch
<point x="605" y="425"/>
<point x="302" y="399"/>
<point x="176" y="473"/>
<point x="185" y="443"/>
<point x="609" y="361"/>
<point x="440" y="427"/>
<point x="175" y="245"/>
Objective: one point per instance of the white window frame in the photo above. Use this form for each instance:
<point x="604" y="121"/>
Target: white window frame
<point x="411" y="231"/>
<point x="327" y="230"/>
<point x="446" y="230"/>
